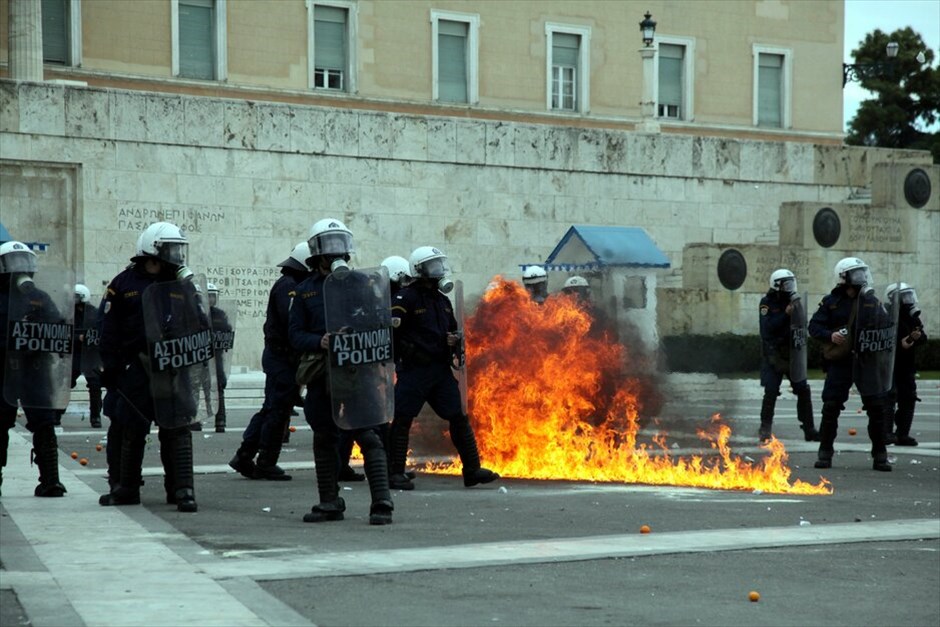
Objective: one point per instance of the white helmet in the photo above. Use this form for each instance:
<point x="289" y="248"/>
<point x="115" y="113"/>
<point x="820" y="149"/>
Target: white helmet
<point x="82" y="293"/>
<point x="16" y="257"/>
<point x="212" y="289"/>
<point x="398" y="268"/>
<point x="330" y="237"/>
<point x="908" y="295"/>
<point x="297" y="259"/>
<point x="165" y="241"/>
<point x="431" y="263"/>
<point x="533" y="275"/>
<point x="576" y="281"/>
<point x="783" y="280"/>
<point x="853" y="271"/>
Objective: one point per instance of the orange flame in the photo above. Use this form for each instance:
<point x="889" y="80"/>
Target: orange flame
<point x="548" y="401"/>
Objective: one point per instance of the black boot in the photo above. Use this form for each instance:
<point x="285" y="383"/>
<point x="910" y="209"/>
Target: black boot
<point x="767" y="415"/>
<point x="243" y="462"/>
<point x="267" y="467"/>
<point x="375" y="463"/>
<point x="46" y="448"/>
<point x="876" y="411"/>
<point x="903" y="418"/>
<point x="94" y="403"/>
<point x="461" y="434"/>
<point x="326" y="460"/>
<point x="220" y="414"/>
<point x="168" y="461"/>
<point x="126" y="491"/>
<point x="185" y="492"/>
<point x="398" y="453"/>
<point x="828" y="428"/>
<point x="804" y="413"/>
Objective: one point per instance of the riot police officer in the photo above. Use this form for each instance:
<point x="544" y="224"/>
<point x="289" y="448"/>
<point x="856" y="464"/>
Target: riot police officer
<point x="783" y="353"/>
<point x="221" y="326"/>
<point x="159" y="260"/>
<point x="535" y="281"/>
<point x="426" y="333"/>
<point x="85" y="353"/>
<point x="21" y="300"/>
<point x="399" y="272"/>
<point x="910" y="335"/>
<point x="264" y="435"/>
<point x="331" y="244"/>
<point x="836" y="324"/>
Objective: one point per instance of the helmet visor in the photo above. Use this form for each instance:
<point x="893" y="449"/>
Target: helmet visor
<point x="330" y="244"/>
<point x="858" y="277"/>
<point x="18" y="261"/>
<point x="172" y="252"/>
<point x="908" y="297"/>
<point x="787" y="285"/>
<point x="434" y="268"/>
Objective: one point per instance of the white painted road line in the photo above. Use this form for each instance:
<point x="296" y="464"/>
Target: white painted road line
<point x="566" y="550"/>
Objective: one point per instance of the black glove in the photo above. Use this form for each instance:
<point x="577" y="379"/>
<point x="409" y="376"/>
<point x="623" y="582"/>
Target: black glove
<point x="109" y="378"/>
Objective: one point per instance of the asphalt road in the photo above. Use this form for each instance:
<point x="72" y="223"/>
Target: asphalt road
<point x="515" y="552"/>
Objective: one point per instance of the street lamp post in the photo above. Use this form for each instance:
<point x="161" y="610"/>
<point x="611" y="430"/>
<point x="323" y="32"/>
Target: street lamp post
<point x="859" y="72"/>
<point x="648" y="122"/>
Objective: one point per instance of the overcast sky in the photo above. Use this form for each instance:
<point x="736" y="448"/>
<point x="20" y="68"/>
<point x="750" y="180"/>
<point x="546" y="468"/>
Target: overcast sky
<point x="864" y="16"/>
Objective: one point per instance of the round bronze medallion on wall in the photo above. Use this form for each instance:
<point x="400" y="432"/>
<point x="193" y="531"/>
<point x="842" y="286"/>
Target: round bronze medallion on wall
<point x="732" y="269"/>
<point x="827" y="227"/>
<point x="917" y="188"/>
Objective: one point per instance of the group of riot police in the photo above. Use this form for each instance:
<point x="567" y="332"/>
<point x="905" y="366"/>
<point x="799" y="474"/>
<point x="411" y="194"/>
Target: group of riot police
<point x="866" y="341"/>
<point x="329" y="329"/>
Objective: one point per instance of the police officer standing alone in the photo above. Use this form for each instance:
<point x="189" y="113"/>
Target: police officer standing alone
<point x="84" y="355"/>
<point x="330" y="246"/>
<point x="426" y="333"/>
<point x="783" y="353"/>
<point x="160" y="258"/>
<point x="21" y="301"/>
<point x="835" y="324"/>
<point x="910" y="335"/>
<point x="264" y="435"/>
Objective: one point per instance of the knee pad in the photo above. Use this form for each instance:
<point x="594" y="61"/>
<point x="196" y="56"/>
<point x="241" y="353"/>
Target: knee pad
<point x="369" y="440"/>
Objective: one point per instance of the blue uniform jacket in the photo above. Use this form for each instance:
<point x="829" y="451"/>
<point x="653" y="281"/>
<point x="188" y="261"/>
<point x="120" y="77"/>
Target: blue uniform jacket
<point x="277" y="315"/>
<point x="426" y="318"/>
<point x="307" y="321"/>
<point x="833" y="314"/>
<point x="775" y="324"/>
<point x="122" y="329"/>
<point x="904" y="357"/>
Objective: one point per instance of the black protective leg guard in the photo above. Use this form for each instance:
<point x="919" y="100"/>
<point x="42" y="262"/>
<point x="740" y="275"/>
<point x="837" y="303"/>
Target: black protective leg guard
<point x="903" y="419"/>
<point x="876" y="433"/>
<point x="461" y="434"/>
<point x="267" y="467"/>
<point x="376" y="467"/>
<point x="47" y="458"/>
<point x="220" y="414"/>
<point x="185" y="492"/>
<point x="127" y="489"/>
<point x="94" y="406"/>
<point x="4" y="444"/>
<point x="398" y="453"/>
<point x="828" y="427"/>
<point x="167" y="460"/>
<point x="767" y="414"/>
<point x="326" y="459"/>
<point x="243" y="462"/>
<point x="804" y="413"/>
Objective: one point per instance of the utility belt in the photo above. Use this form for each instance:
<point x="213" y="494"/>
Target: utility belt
<point x="413" y="355"/>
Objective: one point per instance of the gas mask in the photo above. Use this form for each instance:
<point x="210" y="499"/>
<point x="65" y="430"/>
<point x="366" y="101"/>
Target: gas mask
<point x="445" y="285"/>
<point x="24" y="282"/>
<point x="183" y="273"/>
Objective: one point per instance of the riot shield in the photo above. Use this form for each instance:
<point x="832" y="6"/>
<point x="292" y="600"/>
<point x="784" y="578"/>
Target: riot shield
<point x="798" y="326"/>
<point x="180" y="360"/>
<point x="39" y="340"/>
<point x="358" y="319"/>
<point x="874" y="342"/>
<point x="460" y="354"/>
<point x="224" y="315"/>
<point x="88" y="334"/>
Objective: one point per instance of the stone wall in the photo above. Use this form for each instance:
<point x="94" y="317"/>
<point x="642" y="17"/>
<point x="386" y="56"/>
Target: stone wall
<point x="247" y="179"/>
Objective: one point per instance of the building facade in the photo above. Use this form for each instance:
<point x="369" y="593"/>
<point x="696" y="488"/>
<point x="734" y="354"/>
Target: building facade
<point x="485" y="128"/>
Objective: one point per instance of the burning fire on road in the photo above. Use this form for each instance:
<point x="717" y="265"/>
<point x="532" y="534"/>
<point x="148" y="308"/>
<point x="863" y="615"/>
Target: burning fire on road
<point x="548" y="401"/>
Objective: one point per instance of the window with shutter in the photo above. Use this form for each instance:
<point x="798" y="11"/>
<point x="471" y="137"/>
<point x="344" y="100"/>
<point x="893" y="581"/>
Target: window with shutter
<point x="55" y="31"/>
<point x="671" y="77"/>
<point x="565" y="49"/>
<point x="452" y="60"/>
<point x="770" y="90"/>
<point x="197" y="39"/>
<point x="330" y="47"/>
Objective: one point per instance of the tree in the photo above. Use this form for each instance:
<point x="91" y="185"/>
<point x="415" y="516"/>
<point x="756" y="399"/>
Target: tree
<point x="906" y="106"/>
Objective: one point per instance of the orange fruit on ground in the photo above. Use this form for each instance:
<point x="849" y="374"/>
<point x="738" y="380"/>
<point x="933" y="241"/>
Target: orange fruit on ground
<point x="293" y="429"/>
<point x="852" y="431"/>
<point x="754" y="596"/>
<point x="98" y="447"/>
<point x="74" y="455"/>
<point x="83" y="461"/>
<point x="645" y="529"/>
